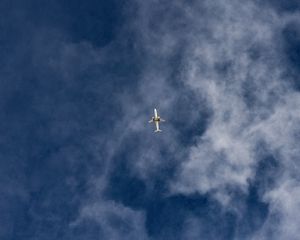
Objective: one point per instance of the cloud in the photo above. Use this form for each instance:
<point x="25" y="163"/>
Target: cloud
<point x="217" y="72"/>
<point x="283" y="220"/>
<point x="115" y="220"/>
<point x="232" y="59"/>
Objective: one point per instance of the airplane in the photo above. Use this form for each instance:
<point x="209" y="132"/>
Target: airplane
<point x="156" y="119"/>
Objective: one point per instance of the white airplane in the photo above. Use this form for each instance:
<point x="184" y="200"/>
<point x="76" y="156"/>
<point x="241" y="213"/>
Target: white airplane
<point x="156" y="119"/>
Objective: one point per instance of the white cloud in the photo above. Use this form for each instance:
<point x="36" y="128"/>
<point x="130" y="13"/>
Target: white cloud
<point x="232" y="60"/>
<point x="116" y="221"/>
<point x="285" y="202"/>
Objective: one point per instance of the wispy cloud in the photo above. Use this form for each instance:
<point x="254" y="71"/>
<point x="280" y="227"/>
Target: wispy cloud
<point x="230" y="57"/>
<point x="116" y="221"/>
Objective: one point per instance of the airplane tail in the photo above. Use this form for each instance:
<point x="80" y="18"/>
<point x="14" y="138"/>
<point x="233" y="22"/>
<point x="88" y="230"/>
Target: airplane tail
<point x="158" y="130"/>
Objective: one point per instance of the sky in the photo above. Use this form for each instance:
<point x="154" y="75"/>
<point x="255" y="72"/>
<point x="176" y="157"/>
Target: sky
<point x="78" y="84"/>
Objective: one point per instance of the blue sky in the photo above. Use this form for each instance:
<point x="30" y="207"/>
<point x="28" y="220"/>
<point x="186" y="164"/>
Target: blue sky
<point x="79" y="81"/>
